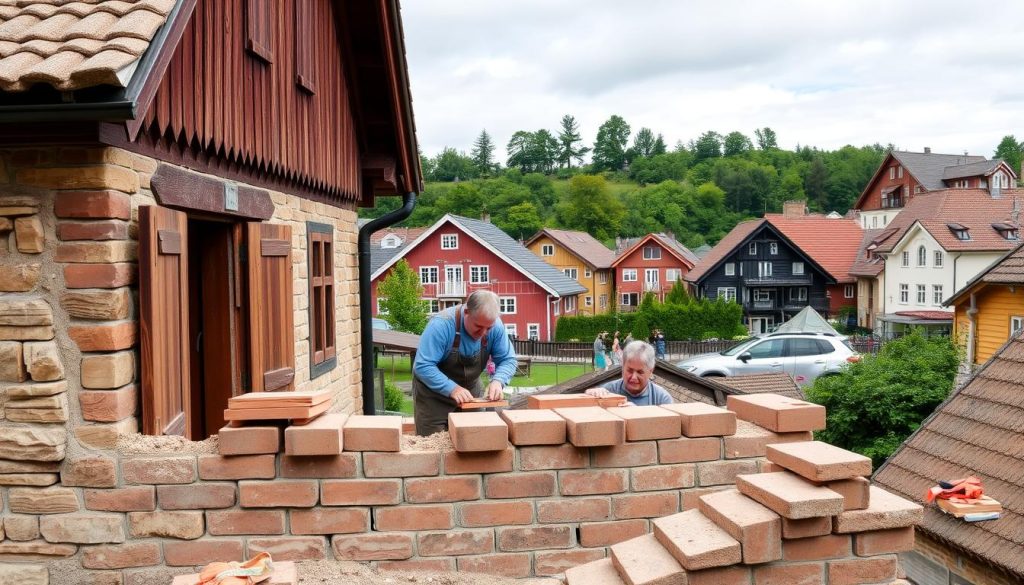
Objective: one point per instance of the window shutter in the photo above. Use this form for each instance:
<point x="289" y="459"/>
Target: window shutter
<point x="271" y="316"/>
<point x="163" y="305"/>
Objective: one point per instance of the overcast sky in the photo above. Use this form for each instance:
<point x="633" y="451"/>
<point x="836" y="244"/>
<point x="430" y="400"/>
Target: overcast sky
<point x="825" y="73"/>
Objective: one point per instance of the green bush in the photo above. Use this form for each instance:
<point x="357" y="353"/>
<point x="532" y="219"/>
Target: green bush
<point x="875" y="404"/>
<point x="697" y="319"/>
<point x="393" y="397"/>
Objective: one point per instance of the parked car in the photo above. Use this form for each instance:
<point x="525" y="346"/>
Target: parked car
<point x="805" y="356"/>
<point x="379" y="323"/>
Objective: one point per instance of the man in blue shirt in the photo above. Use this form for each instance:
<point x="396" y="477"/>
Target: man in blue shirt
<point x="636" y="384"/>
<point x="453" y="352"/>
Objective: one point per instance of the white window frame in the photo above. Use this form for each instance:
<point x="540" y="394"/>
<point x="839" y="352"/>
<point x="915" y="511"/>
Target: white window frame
<point x="449" y="241"/>
<point x="904" y="293"/>
<point x="764" y="269"/>
<point x="573" y="273"/>
<point x="752" y="248"/>
<point x="533" y="330"/>
<point x="649" y="272"/>
<point x="726" y="293"/>
<point x="556" y="306"/>
<point x="673" y="274"/>
<point x="649" y="253"/>
<point x="761" y="295"/>
<point x="587" y="273"/>
<point x="905" y="259"/>
<point x="1016" y="324"/>
<point x="922" y="294"/>
<point x="485" y="268"/>
<point x="800" y="296"/>
<point x="602" y="301"/>
<point x="940" y="258"/>
<point x="390" y="241"/>
<point x="428" y="271"/>
<point x="899" y="172"/>
<point x="922" y="256"/>
<point x="433" y="306"/>
<point x="937" y="295"/>
<point x="503" y="305"/>
<point x="602" y="277"/>
<point x="892" y="173"/>
<point x="629" y="275"/>
<point x="730" y="269"/>
<point x="798" y="269"/>
<point x="511" y="330"/>
<point x="773" y="248"/>
<point x="874" y="221"/>
<point x="547" y="250"/>
<point x="570" y="304"/>
<point x="588" y="301"/>
<point x="849" y="291"/>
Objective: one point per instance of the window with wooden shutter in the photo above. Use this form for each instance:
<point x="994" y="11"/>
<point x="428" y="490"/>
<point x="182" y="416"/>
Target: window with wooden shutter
<point x="305" y="36"/>
<point x="320" y="247"/>
<point x="271" y="318"/>
<point x="259" y="29"/>
<point x="163" y="305"/>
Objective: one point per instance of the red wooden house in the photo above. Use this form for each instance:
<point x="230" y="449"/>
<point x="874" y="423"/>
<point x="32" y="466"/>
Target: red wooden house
<point x="458" y="255"/>
<point x="651" y="264"/>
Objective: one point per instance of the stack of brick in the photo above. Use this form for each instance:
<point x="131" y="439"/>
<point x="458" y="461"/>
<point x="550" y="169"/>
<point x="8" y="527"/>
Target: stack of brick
<point x="812" y="518"/>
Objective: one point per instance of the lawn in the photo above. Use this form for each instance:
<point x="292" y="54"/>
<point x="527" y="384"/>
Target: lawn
<point x="397" y="369"/>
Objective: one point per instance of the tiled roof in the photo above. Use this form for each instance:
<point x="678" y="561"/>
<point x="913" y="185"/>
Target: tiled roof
<point x="975" y="209"/>
<point x="971" y="170"/>
<point x="862" y="266"/>
<point x="776" y="383"/>
<point x="927" y="315"/>
<point x="72" y="45"/>
<point x="1007" y="270"/>
<point x="832" y="243"/>
<point x="625" y="247"/>
<point x="977" y="431"/>
<point x="582" y="244"/>
<point x="930" y="168"/>
<point x="406" y="234"/>
<point x="380" y="256"/>
<point x="723" y="248"/>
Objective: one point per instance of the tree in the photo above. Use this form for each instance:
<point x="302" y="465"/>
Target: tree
<point x="736" y="143"/>
<point x="708" y="146"/>
<point x="677" y="295"/>
<point x="483" y="154"/>
<point x="568" y="138"/>
<point x="766" y="138"/>
<point x="610" y="146"/>
<point x="643" y="143"/>
<point x="1010" y="151"/>
<point x="874" y="404"/>
<point x="816" y="181"/>
<point x="400" y="299"/>
<point x="520" y="221"/>
<point x="589" y="206"/>
<point x="451" y="165"/>
<point x="659" y="146"/>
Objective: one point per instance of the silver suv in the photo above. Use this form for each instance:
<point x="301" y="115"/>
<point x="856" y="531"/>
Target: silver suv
<point x="804" y="356"/>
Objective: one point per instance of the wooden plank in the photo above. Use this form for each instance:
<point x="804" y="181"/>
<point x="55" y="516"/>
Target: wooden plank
<point x="278" y="378"/>
<point x="279" y="399"/>
<point x="961" y="509"/>
<point x="270" y="247"/>
<point x="481" y="403"/>
<point x="271" y="310"/>
<point x="291" y="412"/>
<point x="560" y="400"/>
<point x="169" y="242"/>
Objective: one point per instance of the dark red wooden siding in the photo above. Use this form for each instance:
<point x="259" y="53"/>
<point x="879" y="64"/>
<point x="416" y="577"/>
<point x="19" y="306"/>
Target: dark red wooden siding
<point x="221" y="101"/>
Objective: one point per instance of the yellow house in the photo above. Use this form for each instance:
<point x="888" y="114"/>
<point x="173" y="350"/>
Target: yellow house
<point x="990" y="308"/>
<point x="581" y="257"/>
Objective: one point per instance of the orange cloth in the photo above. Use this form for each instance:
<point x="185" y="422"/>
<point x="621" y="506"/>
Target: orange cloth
<point x="255" y="570"/>
<point x="967" y="489"/>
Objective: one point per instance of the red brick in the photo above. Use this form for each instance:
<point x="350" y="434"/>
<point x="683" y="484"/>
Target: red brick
<point x="806" y="527"/>
<point x="751" y="440"/>
<point x="573" y="510"/>
<point x="104" y="337"/>
<point x="563" y="456"/>
<point x="695" y="541"/>
<point x="496" y="513"/>
<point x="293" y="548"/>
<point x="880" y="542"/>
<point x="736" y="575"/>
<point x="372" y="547"/>
<point x="373" y="433"/>
<point x="856" y="492"/>
<point x="647" y="505"/>
<point x="92" y="205"/>
<point x="341" y="466"/>
<point x="777" y="413"/>
<point x="703" y="420"/>
<point x="589" y="482"/>
<point x="691" y="497"/>
<point x="162" y="470"/>
<point x="648" y="423"/>
<point x="884" y="511"/>
<point x="418" y="565"/>
<point x="128" y="499"/>
<point x="181" y="525"/>
<point x="251" y="440"/>
<point x="506" y="565"/>
<point x="321" y="436"/>
<point x="429" y="490"/>
<point x="819" y="461"/>
<point x="534" y="538"/>
<point x="480" y="462"/>
<point x="245" y="522"/>
<point x="329" y="521"/>
<point x="361" y="492"/>
<point x="187" y="554"/>
<point x="406" y="464"/>
<point x="723" y="472"/>
<point x="436" y="517"/>
<point x="592" y="426"/>
<point x="790" y="495"/>
<point x="856" y="571"/>
<point x="455" y="543"/>
<point x="687" y="450"/>
<point x="790" y="574"/>
<point x="758" y="529"/>
<point x="534" y="427"/>
<point x="277" y="493"/>
<point x="550" y="562"/>
<point x="237" y="467"/>
<point x="520" y="485"/>
<point x="599" y="572"/>
<point x="100" y="275"/>
<point x="625" y="455"/>
<point x="477" y="431"/>
<point x="662" y="477"/>
<point x="89" y="471"/>
<point x="109" y="405"/>
<point x="92" y="230"/>
<point x="642" y="560"/>
<point x="818" y="548"/>
<point x="608" y="533"/>
<point x="196" y="497"/>
<point x="121" y="556"/>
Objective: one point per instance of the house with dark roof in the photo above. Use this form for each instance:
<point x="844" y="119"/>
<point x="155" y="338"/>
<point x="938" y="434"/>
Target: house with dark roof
<point x="777" y="265"/>
<point x="989" y="309"/>
<point x="581" y="257"/>
<point x="976" y="431"/>
<point x="903" y="175"/>
<point x="458" y="255"/>
<point x="650" y="264"/>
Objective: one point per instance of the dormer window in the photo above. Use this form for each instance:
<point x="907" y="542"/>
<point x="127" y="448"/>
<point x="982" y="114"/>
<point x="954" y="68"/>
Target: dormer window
<point x="391" y="241"/>
<point x="960" y="231"/>
<point x="1007" y="231"/>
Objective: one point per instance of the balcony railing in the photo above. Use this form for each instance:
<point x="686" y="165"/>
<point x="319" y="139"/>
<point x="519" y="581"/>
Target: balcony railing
<point x="451" y="289"/>
<point x="652" y="286"/>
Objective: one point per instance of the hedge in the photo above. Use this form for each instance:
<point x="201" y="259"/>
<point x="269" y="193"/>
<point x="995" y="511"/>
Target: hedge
<point x="697" y="319"/>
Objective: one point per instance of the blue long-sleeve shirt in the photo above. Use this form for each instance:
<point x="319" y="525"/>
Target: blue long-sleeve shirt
<point x="436" y="343"/>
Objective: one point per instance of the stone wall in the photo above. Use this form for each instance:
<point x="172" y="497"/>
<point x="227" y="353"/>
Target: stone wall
<point x="933" y="563"/>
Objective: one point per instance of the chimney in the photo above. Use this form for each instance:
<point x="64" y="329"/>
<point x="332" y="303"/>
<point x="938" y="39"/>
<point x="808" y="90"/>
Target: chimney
<point x="484" y="216"/>
<point x="927" y="150"/>
<point x="792" y="209"/>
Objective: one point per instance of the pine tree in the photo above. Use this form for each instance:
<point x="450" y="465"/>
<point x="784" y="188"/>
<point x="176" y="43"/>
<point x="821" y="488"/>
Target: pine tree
<point x="483" y="153"/>
<point x="568" y="139"/>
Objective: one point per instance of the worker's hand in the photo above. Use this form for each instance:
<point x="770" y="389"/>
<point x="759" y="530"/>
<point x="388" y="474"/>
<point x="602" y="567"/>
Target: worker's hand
<point x="598" y="392"/>
<point x="495" y="391"/>
<point x="460" y="395"/>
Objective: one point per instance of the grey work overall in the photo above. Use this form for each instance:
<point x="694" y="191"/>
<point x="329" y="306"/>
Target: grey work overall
<point x="431" y="408"/>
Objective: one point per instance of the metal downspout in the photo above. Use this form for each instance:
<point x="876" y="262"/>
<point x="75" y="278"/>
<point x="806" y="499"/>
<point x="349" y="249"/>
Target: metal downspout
<point x="365" y="300"/>
<point x="972" y="330"/>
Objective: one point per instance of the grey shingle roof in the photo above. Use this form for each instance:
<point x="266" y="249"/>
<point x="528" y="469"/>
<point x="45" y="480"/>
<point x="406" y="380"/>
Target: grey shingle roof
<point x="971" y="170"/>
<point x="519" y="255"/>
<point x="930" y="168"/>
<point x="380" y="256"/>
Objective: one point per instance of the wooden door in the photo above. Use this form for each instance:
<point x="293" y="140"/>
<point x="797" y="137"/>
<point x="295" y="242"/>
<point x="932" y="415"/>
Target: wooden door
<point x="271" y="310"/>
